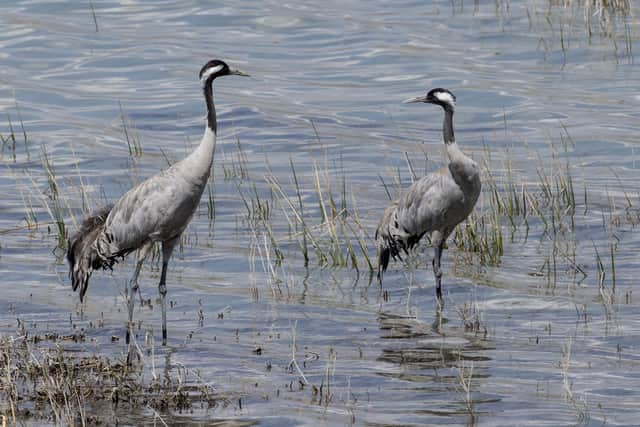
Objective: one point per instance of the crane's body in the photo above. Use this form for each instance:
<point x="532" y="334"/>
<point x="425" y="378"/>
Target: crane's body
<point x="159" y="208"/>
<point x="156" y="210"/>
<point x="434" y="204"/>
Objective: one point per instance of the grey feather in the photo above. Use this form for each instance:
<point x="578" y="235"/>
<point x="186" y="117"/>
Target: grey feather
<point x="81" y="253"/>
<point x="157" y="209"/>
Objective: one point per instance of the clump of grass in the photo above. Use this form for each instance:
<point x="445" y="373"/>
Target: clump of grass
<point x="607" y="294"/>
<point x="10" y="139"/>
<point x="509" y="207"/>
<point x="236" y="168"/>
<point x="30" y="217"/>
<point x="611" y="20"/>
<point x="42" y="381"/>
<point x="332" y="232"/>
<point x="258" y="208"/>
<point x="481" y="235"/>
<point x="133" y="139"/>
<point x="604" y="13"/>
<point x="465" y="377"/>
<point x="55" y="205"/>
<point x="325" y="391"/>
<point x="263" y="245"/>
<point x="303" y="244"/>
<point x="581" y="408"/>
<point x="293" y="363"/>
<point x="565" y="362"/>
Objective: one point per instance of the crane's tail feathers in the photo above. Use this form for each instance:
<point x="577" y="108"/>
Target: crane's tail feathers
<point x="82" y="254"/>
<point x="383" y="262"/>
<point x="387" y="241"/>
<point x="392" y="240"/>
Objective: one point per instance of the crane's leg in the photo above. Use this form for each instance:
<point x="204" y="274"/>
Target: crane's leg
<point x="437" y="271"/>
<point x="167" y="249"/>
<point x="133" y="286"/>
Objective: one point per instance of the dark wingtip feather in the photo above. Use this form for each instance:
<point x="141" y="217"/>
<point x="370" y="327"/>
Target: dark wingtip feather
<point x="384" y="241"/>
<point x="383" y="261"/>
<point x="81" y="254"/>
<point x="392" y="240"/>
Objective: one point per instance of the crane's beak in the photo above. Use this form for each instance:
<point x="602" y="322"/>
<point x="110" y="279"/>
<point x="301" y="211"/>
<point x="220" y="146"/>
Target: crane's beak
<point x="238" y="73"/>
<point x="416" y="99"/>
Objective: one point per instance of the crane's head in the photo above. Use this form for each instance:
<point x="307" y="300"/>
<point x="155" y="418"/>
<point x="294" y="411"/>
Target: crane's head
<point x="439" y="96"/>
<point x="216" y="68"/>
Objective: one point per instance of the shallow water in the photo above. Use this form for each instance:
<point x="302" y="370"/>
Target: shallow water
<point x="527" y="77"/>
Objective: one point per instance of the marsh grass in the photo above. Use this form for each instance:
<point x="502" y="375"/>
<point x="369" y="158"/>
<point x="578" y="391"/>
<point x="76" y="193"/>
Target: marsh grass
<point x="579" y="405"/>
<point x="134" y="143"/>
<point x="12" y="138"/>
<point x="565" y="23"/>
<point x="236" y="167"/>
<point x="311" y="218"/>
<point x="53" y="200"/>
<point x="331" y="231"/>
<point x="41" y="379"/>
<point x="606" y="293"/>
<point x="465" y="378"/>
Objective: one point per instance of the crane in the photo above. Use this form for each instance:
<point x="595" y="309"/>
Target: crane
<point x="434" y="204"/>
<point x="156" y="210"/>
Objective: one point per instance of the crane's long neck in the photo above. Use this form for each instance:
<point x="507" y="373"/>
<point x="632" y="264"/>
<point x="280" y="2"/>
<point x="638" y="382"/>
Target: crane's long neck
<point x="447" y="126"/>
<point x="204" y="153"/>
<point x="198" y="164"/>
<point x="453" y="151"/>
<point x="212" y="123"/>
<point x="462" y="168"/>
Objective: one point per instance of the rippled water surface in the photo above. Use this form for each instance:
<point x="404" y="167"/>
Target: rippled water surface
<point x="533" y="89"/>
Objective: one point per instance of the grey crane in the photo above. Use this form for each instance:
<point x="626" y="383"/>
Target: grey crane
<point x="435" y="203"/>
<point x="156" y="210"/>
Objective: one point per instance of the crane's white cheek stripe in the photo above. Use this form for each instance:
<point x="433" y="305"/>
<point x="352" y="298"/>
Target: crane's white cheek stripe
<point x="445" y="97"/>
<point x="209" y="72"/>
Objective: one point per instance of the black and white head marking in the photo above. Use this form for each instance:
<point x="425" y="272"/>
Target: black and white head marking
<point x="442" y="97"/>
<point x="439" y="96"/>
<point x="216" y="68"/>
<point x="213" y="69"/>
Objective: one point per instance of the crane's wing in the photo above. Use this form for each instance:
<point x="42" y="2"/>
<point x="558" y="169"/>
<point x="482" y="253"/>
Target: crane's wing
<point x="157" y="209"/>
<point x="423" y="208"/>
<point x="429" y="204"/>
